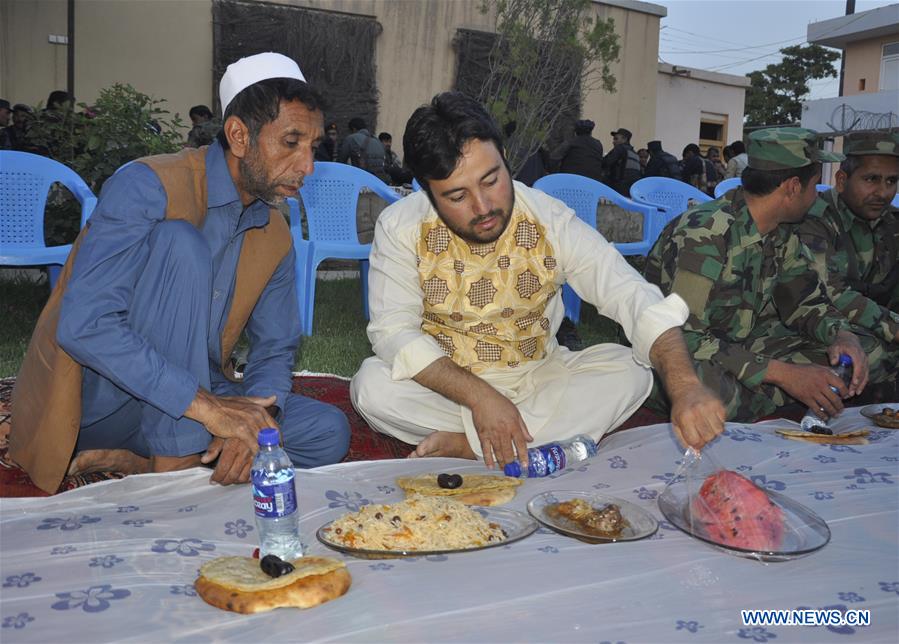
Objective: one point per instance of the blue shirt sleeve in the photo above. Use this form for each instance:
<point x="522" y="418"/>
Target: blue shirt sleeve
<point x="274" y="334"/>
<point x="94" y="320"/>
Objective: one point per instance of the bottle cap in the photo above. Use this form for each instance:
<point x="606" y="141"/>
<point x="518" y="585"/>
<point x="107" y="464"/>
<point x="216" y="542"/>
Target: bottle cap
<point x="845" y="360"/>
<point x="269" y="436"/>
<point x="512" y="469"/>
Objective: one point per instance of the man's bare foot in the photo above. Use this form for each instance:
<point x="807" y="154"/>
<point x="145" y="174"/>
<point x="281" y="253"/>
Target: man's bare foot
<point x="174" y="463"/>
<point x="444" y="444"/>
<point x="108" y="460"/>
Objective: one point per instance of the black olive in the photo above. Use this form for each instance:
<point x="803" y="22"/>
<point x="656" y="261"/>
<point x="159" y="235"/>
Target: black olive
<point x="818" y="429"/>
<point x="449" y="481"/>
<point x="274" y="566"/>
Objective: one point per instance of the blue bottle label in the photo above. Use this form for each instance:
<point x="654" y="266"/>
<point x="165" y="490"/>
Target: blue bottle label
<point x="276" y="500"/>
<point x="554" y="456"/>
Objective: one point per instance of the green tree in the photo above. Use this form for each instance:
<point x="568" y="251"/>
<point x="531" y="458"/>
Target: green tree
<point x="548" y="55"/>
<point x="122" y="125"/>
<point x="776" y="93"/>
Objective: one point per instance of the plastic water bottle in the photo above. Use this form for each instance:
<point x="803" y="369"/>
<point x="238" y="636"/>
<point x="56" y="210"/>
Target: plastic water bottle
<point x="552" y="457"/>
<point x="275" y="499"/>
<point x="810" y="422"/>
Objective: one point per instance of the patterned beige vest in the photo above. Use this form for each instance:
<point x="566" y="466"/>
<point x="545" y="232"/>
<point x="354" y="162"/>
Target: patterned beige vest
<point x="485" y="303"/>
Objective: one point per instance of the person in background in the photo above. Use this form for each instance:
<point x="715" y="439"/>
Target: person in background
<point x="761" y="328"/>
<point x="622" y="165"/>
<point x="205" y="126"/>
<point x="853" y="233"/>
<point x="327" y="149"/>
<point x="661" y="163"/>
<point x="465" y="298"/>
<point x="581" y="154"/>
<point x="737" y="162"/>
<point x="714" y="157"/>
<point x="643" y="153"/>
<point x="363" y="150"/>
<point x="695" y="171"/>
<point x="399" y="174"/>
<point x="5" y="112"/>
<point x="17" y="133"/>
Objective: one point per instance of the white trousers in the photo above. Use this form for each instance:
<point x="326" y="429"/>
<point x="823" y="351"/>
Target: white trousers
<point x="569" y="392"/>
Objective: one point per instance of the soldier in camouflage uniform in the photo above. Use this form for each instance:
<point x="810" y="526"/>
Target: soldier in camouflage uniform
<point x="761" y="327"/>
<point x="853" y="232"/>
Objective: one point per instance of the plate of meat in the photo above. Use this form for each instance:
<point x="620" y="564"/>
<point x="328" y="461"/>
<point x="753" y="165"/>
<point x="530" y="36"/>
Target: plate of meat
<point x="594" y="518"/>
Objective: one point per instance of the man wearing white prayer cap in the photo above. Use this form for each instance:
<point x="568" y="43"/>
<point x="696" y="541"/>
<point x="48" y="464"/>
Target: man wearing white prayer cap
<point x="129" y="366"/>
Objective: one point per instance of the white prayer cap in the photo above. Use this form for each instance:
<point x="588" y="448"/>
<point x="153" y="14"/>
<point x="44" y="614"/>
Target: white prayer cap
<point x="252" y="69"/>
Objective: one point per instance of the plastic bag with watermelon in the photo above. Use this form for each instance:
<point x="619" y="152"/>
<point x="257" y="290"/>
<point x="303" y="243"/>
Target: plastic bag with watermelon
<point x="727" y="510"/>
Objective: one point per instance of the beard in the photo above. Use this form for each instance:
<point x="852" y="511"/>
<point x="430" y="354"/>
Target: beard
<point x="255" y="178"/>
<point x="470" y="233"/>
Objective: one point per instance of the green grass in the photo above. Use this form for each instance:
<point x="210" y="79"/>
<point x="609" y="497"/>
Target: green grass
<point x="338" y="344"/>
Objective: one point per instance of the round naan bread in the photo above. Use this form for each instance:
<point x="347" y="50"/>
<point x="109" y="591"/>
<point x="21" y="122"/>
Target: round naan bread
<point x="476" y="489"/>
<point x="238" y="584"/>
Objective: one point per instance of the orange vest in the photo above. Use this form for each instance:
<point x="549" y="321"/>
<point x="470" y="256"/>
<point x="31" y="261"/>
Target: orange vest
<point x="46" y="401"/>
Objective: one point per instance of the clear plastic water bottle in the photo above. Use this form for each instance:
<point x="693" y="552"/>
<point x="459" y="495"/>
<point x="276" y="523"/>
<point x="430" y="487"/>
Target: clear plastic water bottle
<point x="275" y="499"/>
<point x="552" y="457"/>
<point x="810" y="422"/>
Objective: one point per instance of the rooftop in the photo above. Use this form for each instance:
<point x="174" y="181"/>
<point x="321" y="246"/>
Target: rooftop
<point x="838" y="32"/>
<point x="704" y="75"/>
<point x="638" y="6"/>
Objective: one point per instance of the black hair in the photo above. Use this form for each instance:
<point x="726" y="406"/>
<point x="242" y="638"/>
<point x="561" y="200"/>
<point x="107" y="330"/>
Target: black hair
<point x="436" y="133"/>
<point x="356" y="123"/>
<point x="56" y="98"/>
<point x="581" y="129"/>
<point x="200" y="110"/>
<point x="737" y="147"/>
<point x="850" y="164"/>
<point x="763" y="182"/>
<point x="711" y="149"/>
<point x="692" y="147"/>
<point x="260" y="103"/>
<point x="383" y="136"/>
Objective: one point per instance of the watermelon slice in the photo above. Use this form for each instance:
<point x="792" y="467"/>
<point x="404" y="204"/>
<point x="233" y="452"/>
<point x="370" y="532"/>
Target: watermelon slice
<point x="733" y="511"/>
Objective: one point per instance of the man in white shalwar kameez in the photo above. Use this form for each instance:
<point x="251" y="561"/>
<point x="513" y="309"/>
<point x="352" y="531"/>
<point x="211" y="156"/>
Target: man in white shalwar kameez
<point x="465" y="301"/>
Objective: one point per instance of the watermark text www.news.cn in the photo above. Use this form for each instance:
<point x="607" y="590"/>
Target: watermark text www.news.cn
<point x="806" y="617"/>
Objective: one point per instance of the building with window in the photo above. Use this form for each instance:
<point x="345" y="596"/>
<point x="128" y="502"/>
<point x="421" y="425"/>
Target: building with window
<point x="870" y="90"/>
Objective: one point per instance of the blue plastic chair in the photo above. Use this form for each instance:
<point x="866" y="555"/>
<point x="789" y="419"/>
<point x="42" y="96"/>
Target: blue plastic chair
<point x="25" y="181"/>
<point x="895" y="202"/>
<point x="671" y="196"/>
<point x="330" y="196"/>
<point x="727" y="185"/>
<point x="415" y="185"/>
<point x="582" y="195"/>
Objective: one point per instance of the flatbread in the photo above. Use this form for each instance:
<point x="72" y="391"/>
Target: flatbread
<point x="476" y="489"/>
<point x="238" y="584"/>
<point x="890" y="421"/>
<point x="856" y="437"/>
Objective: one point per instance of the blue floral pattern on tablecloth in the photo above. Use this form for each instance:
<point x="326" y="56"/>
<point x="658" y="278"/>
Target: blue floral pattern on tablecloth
<point x="756" y="634"/>
<point x="71" y="522"/>
<point x="187" y="590"/>
<point x="645" y="494"/>
<point x="239" y="528"/>
<point x="762" y="481"/>
<point x="184" y="547"/>
<point x="841" y="630"/>
<point x="352" y="501"/>
<point x="63" y="550"/>
<point x="21" y="581"/>
<point x="889" y="586"/>
<point x="106" y="561"/>
<point x="137" y="523"/>
<point x="94" y="599"/>
<point x="688" y="625"/>
<point x="740" y="435"/>
<point x="863" y="476"/>
<point x="850" y="597"/>
<point x="17" y="621"/>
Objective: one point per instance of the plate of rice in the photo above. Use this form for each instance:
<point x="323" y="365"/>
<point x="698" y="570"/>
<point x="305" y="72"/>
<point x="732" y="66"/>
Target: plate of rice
<point x="421" y="526"/>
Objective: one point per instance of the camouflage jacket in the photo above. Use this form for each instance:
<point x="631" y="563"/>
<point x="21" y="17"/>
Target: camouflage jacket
<point x="741" y="286"/>
<point x="858" y="261"/>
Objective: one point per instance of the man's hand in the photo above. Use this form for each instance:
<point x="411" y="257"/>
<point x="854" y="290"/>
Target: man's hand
<point x="811" y="385"/>
<point x="848" y="343"/>
<point x="697" y="415"/>
<point x="500" y="426"/>
<point x="234" y="461"/>
<point x="235" y="417"/>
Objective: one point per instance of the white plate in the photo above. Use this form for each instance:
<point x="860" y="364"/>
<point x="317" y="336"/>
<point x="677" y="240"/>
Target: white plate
<point x="641" y="524"/>
<point x="872" y="410"/>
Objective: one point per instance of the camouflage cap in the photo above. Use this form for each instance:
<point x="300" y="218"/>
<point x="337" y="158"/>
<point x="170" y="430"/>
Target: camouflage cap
<point x="785" y="148"/>
<point x="870" y="143"/>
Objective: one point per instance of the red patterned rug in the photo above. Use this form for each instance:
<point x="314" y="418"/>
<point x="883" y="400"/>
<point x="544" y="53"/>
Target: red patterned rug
<point x="365" y="444"/>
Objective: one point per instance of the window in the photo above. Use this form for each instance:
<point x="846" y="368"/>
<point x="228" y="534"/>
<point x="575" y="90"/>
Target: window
<point x="712" y="131"/>
<point x="889" y="67"/>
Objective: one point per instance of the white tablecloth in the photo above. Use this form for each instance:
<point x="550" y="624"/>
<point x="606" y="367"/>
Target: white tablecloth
<point x="116" y="561"/>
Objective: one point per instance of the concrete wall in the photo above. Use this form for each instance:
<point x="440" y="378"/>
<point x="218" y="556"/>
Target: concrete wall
<point x="164" y="48"/>
<point x="863" y="61"/>
<point x="681" y="99"/>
